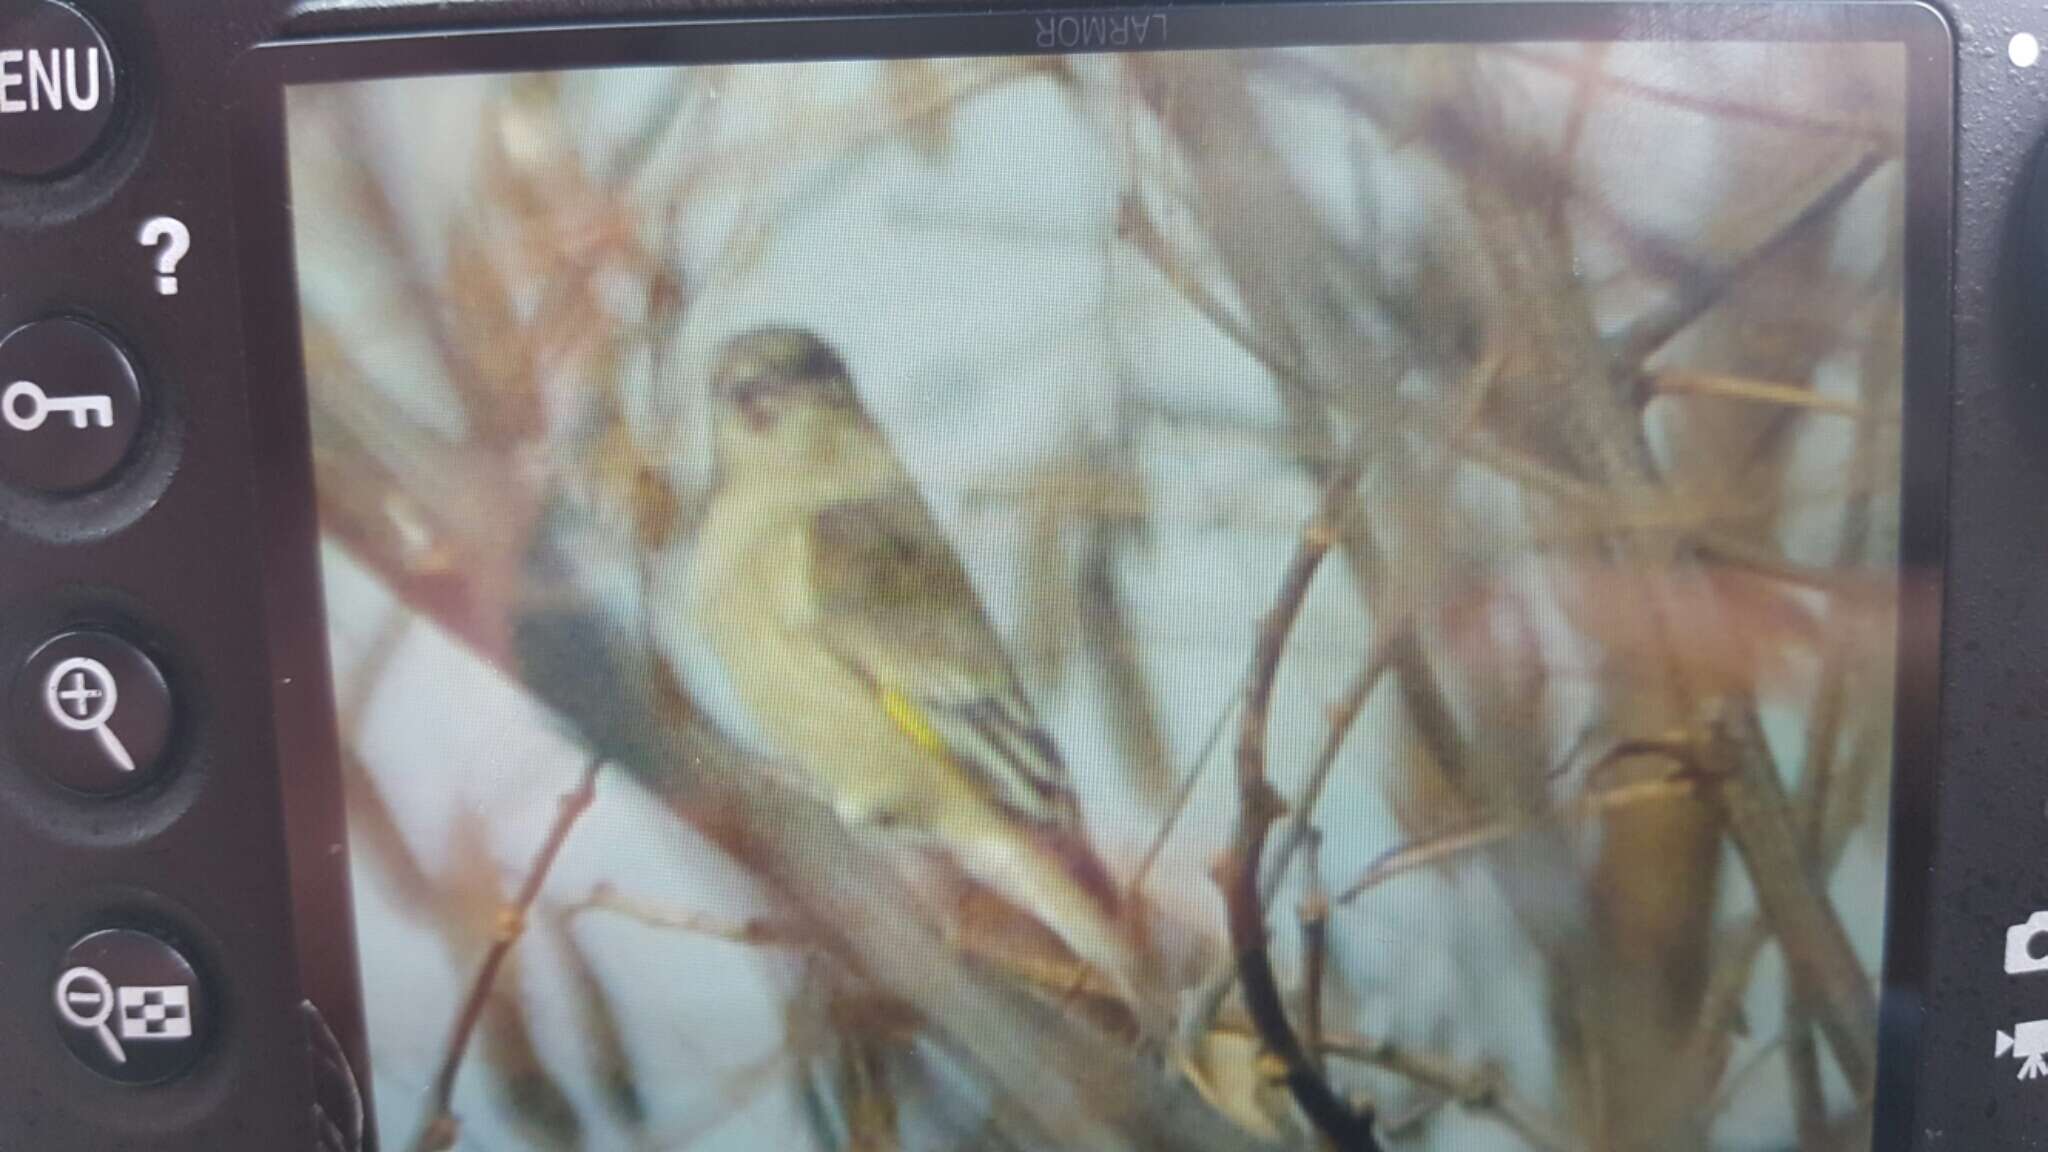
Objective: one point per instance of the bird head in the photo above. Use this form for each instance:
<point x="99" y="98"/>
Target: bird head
<point x="783" y="399"/>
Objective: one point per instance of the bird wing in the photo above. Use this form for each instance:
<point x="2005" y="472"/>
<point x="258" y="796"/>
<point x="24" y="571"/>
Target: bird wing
<point x="895" y="606"/>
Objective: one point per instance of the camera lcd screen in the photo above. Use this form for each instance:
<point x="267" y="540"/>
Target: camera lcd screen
<point x="1120" y="590"/>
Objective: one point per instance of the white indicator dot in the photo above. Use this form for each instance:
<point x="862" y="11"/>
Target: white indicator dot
<point x="2024" y="51"/>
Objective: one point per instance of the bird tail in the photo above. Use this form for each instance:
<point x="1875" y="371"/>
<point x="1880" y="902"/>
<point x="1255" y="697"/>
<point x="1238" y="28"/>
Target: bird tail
<point x="1054" y="875"/>
<point x="1078" y="860"/>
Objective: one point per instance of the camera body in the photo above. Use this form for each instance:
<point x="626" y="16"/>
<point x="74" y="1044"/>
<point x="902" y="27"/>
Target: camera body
<point x="179" y="970"/>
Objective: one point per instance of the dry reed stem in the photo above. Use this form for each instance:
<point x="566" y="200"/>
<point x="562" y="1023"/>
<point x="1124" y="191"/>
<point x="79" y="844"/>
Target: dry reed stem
<point x="1824" y="967"/>
<point x="1678" y="382"/>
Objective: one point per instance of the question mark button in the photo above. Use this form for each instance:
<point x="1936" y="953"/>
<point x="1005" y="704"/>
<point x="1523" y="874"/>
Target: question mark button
<point x="71" y="407"/>
<point x="171" y="240"/>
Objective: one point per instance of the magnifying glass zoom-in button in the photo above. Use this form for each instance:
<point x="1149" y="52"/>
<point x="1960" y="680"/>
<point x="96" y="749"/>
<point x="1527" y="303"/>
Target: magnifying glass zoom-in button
<point x="93" y="712"/>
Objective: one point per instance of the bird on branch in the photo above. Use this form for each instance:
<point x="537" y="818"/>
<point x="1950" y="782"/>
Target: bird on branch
<point x="859" y="646"/>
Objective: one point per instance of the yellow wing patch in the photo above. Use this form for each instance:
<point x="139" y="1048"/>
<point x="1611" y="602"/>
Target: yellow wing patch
<point x="906" y="716"/>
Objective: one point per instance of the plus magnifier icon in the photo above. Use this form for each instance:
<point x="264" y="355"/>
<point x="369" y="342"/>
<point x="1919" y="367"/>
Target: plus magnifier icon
<point x="81" y="695"/>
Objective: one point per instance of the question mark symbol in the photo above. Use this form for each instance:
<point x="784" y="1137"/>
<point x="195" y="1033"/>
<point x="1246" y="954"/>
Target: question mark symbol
<point x="172" y="240"/>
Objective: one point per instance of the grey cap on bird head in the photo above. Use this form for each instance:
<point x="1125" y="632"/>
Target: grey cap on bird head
<point x="782" y="360"/>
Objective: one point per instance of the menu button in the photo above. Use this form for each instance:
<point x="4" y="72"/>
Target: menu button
<point x="56" y="87"/>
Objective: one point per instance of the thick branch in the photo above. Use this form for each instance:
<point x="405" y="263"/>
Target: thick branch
<point x="1314" y="915"/>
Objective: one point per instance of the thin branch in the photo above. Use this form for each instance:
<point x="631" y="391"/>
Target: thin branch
<point x="1342" y="716"/>
<point x="1186" y="791"/>
<point x="1458" y="842"/>
<point x="1642" y="339"/>
<point x="441" y="1128"/>
<point x="1734" y="1081"/>
<point x="1258" y="807"/>
<point x="758" y="931"/>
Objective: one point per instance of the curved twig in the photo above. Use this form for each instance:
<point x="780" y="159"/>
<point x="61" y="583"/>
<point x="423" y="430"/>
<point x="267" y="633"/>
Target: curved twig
<point x="1346" y="1127"/>
<point x="441" y="1128"/>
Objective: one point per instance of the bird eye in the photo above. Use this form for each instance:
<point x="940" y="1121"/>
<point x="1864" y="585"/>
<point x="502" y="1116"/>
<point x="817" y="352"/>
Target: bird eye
<point x="755" y="403"/>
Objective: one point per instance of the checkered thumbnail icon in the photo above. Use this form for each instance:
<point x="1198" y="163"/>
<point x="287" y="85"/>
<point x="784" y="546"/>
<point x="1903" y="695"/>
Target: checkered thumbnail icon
<point x="156" y="1013"/>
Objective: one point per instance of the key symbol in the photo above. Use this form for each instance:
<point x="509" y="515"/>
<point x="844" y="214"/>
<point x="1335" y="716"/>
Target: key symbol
<point x="26" y="408"/>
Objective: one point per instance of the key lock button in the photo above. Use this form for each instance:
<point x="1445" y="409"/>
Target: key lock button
<point x="70" y="407"/>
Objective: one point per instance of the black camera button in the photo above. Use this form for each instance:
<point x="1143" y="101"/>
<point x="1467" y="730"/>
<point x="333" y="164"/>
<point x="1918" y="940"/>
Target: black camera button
<point x="70" y="406"/>
<point x="56" y="88"/>
<point x="92" y="712"/>
<point x="131" y="1007"/>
